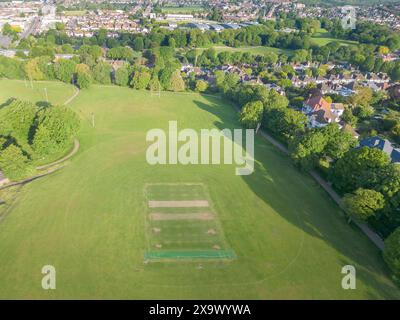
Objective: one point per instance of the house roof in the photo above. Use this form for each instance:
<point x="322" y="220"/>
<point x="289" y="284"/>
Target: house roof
<point x="383" y="145"/>
<point x="317" y="102"/>
<point x="324" y="116"/>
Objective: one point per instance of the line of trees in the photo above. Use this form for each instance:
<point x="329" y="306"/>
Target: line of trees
<point x="365" y="177"/>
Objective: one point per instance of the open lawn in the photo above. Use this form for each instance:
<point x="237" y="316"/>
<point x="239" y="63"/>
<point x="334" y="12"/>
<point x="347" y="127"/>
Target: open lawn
<point x="256" y="50"/>
<point x="91" y="219"/>
<point x="57" y="92"/>
<point x="323" y="37"/>
<point x="183" y="10"/>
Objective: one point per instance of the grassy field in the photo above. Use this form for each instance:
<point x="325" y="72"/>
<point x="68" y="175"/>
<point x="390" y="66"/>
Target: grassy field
<point x="256" y="50"/>
<point x="323" y="37"/>
<point x="183" y="10"/>
<point x="90" y="219"/>
<point x="57" y="92"/>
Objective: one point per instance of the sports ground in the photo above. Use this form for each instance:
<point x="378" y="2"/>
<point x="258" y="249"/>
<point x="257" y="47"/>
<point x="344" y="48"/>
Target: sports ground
<point x="114" y="226"/>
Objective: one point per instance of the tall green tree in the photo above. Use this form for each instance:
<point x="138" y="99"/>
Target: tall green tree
<point x="65" y="70"/>
<point x="251" y="114"/>
<point x="176" y="82"/>
<point x="363" y="203"/>
<point x="14" y="163"/>
<point x="391" y="254"/>
<point x="357" y="166"/>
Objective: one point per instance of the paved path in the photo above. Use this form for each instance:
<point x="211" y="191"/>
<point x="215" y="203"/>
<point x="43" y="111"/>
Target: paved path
<point x="376" y="239"/>
<point x="73" y="96"/>
<point x="69" y="155"/>
<point x="30" y="179"/>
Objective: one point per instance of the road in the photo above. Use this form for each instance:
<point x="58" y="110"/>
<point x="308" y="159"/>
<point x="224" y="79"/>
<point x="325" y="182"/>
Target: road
<point x="33" y="28"/>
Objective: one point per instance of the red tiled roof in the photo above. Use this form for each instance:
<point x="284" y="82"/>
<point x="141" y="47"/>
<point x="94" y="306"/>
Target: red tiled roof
<point x="317" y="103"/>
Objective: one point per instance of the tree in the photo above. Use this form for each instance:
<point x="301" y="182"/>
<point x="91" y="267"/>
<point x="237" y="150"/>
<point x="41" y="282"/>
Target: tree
<point x="165" y="78"/>
<point x="357" y="166"/>
<point x="176" y="82"/>
<point x="32" y="70"/>
<point x="364" y="111"/>
<point x="307" y="149"/>
<point x="83" y="80"/>
<point x="120" y="53"/>
<point x="391" y="253"/>
<point x="141" y="79"/>
<point x="201" y="85"/>
<point x="14" y="163"/>
<point x="285" y="122"/>
<point x="349" y="117"/>
<point x="65" y="70"/>
<point x="138" y="44"/>
<point x="56" y="127"/>
<point x="42" y="140"/>
<point x="16" y="120"/>
<point x="251" y="114"/>
<point x="276" y="101"/>
<point x="383" y="50"/>
<point x="93" y="51"/>
<point x="154" y="84"/>
<point x="102" y="73"/>
<point x="338" y="142"/>
<point x="122" y="76"/>
<point x="363" y="97"/>
<point x="363" y="203"/>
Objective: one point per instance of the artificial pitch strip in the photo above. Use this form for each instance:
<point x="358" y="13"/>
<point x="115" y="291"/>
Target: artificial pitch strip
<point x="182" y="224"/>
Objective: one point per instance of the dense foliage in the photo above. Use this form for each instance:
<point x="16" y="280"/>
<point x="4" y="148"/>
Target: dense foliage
<point x="31" y="133"/>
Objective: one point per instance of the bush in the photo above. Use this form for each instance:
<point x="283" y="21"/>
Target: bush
<point x="14" y="163"/>
<point x="391" y="253"/>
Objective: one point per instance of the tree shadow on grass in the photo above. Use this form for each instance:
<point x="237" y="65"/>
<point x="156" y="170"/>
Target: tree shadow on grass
<point x="286" y="190"/>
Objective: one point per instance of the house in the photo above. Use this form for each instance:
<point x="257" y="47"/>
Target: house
<point x="278" y="89"/>
<point x="383" y="145"/>
<point x="217" y="27"/>
<point x="320" y="112"/>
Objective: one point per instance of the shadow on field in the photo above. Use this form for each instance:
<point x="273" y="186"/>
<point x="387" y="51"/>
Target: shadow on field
<point x="285" y="189"/>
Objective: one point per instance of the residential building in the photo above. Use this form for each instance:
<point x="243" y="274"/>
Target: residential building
<point x="384" y="145"/>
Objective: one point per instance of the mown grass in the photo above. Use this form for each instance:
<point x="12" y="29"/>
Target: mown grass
<point x="89" y="219"/>
<point x="256" y="50"/>
<point x="183" y="10"/>
<point x="322" y="37"/>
